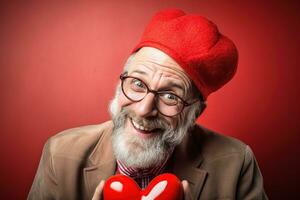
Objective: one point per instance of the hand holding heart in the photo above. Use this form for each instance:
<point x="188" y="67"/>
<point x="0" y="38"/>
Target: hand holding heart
<point x="162" y="187"/>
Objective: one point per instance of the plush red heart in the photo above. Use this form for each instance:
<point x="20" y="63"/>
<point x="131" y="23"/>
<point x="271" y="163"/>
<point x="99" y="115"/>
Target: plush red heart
<point x="163" y="187"/>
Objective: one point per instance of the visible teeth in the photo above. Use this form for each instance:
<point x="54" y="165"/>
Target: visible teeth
<point x="140" y="127"/>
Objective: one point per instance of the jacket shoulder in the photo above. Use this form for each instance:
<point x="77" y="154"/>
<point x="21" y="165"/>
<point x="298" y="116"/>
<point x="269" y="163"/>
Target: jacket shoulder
<point x="76" y="142"/>
<point x="215" y="145"/>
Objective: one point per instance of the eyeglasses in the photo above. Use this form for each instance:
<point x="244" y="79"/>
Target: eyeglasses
<point x="166" y="102"/>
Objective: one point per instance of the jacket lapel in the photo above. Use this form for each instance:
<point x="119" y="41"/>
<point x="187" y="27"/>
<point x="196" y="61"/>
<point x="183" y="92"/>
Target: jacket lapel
<point x="101" y="163"/>
<point x="186" y="162"/>
<point x="93" y="175"/>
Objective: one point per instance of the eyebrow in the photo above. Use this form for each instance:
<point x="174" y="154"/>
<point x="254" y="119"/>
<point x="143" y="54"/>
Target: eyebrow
<point x="172" y="85"/>
<point x="140" y="72"/>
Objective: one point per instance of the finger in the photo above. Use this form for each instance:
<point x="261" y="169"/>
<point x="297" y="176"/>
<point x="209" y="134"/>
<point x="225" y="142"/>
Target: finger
<point x="98" y="191"/>
<point x="186" y="190"/>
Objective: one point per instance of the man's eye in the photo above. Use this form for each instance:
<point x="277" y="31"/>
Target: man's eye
<point x="169" y="99"/>
<point x="138" y="83"/>
<point x="170" y="96"/>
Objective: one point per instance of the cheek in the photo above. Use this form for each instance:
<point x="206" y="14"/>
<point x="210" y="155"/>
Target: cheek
<point x="122" y="102"/>
<point x="174" y="123"/>
<point x="171" y="121"/>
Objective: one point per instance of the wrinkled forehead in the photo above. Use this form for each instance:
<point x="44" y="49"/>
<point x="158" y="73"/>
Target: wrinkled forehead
<point x="152" y="60"/>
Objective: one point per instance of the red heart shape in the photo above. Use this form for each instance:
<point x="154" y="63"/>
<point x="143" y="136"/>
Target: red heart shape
<point x="163" y="187"/>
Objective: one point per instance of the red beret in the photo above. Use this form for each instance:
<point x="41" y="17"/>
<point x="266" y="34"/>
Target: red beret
<point x="195" y="43"/>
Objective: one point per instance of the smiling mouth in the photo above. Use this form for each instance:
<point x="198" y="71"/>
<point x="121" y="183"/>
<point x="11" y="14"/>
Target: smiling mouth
<point x="143" y="129"/>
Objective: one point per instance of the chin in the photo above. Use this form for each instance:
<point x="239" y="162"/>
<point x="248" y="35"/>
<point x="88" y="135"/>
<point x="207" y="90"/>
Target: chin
<point x="137" y="152"/>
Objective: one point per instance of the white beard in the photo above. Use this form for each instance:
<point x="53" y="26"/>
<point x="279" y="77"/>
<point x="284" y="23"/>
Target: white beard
<point x="141" y="153"/>
<point x="137" y="152"/>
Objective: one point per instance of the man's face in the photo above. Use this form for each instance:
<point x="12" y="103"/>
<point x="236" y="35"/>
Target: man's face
<point x="143" y="136"/>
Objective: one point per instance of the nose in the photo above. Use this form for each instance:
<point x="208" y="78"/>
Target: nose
<point x="146" y="107"/>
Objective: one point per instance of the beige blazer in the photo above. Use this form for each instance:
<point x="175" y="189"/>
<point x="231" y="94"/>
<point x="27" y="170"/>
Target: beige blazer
<point x="217" y="167"/>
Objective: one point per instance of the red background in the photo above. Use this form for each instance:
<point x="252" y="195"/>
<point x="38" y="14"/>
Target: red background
<point x="60" y="64"/>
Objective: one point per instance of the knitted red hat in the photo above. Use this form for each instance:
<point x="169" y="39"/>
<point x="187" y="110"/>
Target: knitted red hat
<point x="195" y="43"/>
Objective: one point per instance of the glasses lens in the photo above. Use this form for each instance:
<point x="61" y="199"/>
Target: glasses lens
<point x="169" y="104"/>
<point x="134" y="88"/>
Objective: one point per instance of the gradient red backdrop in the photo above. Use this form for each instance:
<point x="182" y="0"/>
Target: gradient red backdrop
<point x="59" y="65"/>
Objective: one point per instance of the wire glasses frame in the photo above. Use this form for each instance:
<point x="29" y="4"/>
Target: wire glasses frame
<point x="166" y="102"/>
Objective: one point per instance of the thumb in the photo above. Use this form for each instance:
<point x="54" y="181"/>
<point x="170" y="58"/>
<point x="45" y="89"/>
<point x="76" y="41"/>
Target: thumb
<point x="186" y="190"/>
<point x="98" y="192"/>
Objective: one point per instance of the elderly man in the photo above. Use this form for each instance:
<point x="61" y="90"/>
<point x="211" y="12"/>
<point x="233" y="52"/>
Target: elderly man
<point x="178" y="62"/>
